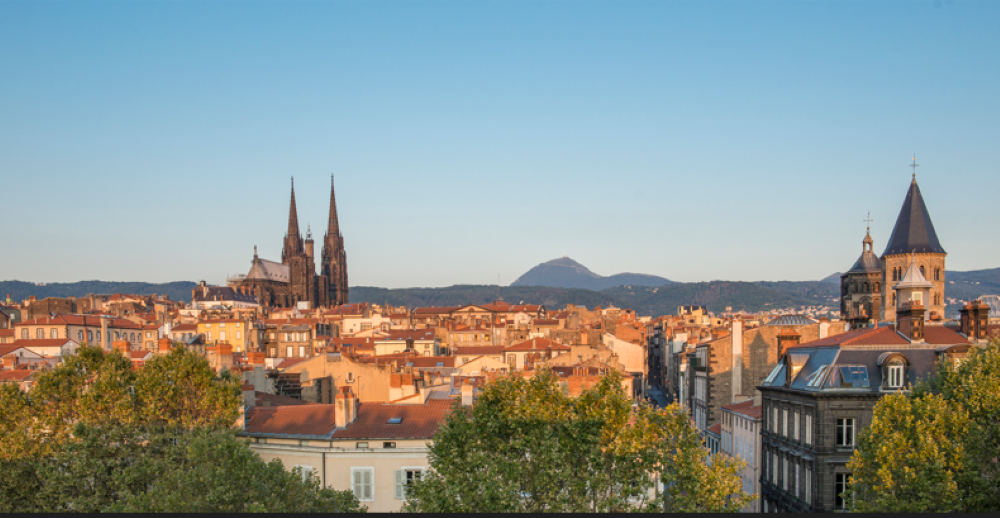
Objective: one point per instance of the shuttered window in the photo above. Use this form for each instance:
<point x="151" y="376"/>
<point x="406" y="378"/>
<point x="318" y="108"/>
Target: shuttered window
<point x="405" y="477"/>
<point x="363" y="483"/>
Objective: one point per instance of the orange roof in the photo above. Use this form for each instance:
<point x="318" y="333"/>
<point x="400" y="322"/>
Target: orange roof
<point x="715" y="429"/>
<point x="545" y="322"/>
<point x="538" y="343"/>
<point x="42" y="342"/>
<point x="80" y="320"/>
<point x="292" y="419"/>
<point x="15" y="375"/>
<point x="870" y="336"/>
<point x="940" y="335"/>
<point x="415" y="334"/>
<point x="184" y="327"/>
<point x="745" y="408"/>
<point x="288" y="362"/>
<point x="6" y="332"/>
<point x="417" y="421"/>
<point x="6" y="349"/>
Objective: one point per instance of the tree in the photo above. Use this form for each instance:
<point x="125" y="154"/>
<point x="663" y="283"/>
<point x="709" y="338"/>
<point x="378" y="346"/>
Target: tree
<point x="934" y="449"/>
<point x="527" y="446"/>
<point x="95" y="435"/>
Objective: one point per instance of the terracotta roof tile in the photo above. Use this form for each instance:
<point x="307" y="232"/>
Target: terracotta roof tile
<point x="869" y="336"/>
<point x="746" y="408"/>
<point x="42" y="342"/>
<point x="715" y="429"/>
<point x="538" y="343"/>
<point x="6" y="349"/>
<point x="6" y="332"/>
<point x="15" y="375"/>
<point x="940" y="335"/>
<point x="415" y="334"/>
<point x="184" y="327"/>
<point x="288" y="362"/>
<point x="292" y="419"/>
<point x="479" y="351"/>
<point x="418" y="421"/>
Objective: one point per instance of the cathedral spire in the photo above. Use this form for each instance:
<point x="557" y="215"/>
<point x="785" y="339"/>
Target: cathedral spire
<point x="333" y="228"/>
<point x="293" y="215"/>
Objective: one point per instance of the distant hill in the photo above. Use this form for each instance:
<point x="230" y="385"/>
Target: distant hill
<point x="834" y="277"/>
<point x="567" y="273"/>
<point x="20" y="290"/>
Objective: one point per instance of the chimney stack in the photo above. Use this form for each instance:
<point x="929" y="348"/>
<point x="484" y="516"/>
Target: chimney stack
<point x="468" y="393"/>
<point x="910" y="320"/>
<point x="975" y="320"/>
<point x="347" y="407"/>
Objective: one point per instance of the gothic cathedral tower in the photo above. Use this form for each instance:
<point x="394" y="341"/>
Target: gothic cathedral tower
<point x="334" y="257"/>
<point x="913" y="234"/>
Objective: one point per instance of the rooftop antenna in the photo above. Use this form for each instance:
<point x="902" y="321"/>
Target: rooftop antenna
<point x="914" y="165"/>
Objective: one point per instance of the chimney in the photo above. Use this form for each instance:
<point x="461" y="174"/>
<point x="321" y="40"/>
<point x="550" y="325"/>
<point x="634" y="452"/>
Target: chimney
<point x="975" y="317"/>
<point x="121" y="345"/>
<point x="165" y="344"/>
<point x="249" y="396"/>
<point x="468" y="393"/>
<point x="347" y="407"/>
<point x="910" y="320"/>
<point x="10" y="361"/>
<point x="824" y="327"/>
<point x="787" y="338"/>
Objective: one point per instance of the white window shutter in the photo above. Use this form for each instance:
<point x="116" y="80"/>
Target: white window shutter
<point x="399" y="484"/>
<point x="358" y="484"/>
<point x="368" y="476"/>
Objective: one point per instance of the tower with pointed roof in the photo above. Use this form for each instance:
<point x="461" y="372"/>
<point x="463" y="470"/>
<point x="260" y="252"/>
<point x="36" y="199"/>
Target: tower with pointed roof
<point x="861" y="286"/>
<point x="296" y="254"/>
<point x="913" y="241"/>
<point x="334" y="266"/>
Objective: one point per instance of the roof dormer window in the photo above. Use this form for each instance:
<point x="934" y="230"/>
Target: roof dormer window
<point x="894" y="374"/>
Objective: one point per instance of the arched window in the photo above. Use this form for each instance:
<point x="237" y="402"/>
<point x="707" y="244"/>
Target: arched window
<point x="866" y="287"/>
<point x="878" y="286"/>
<point x="937" y="274"/>
<point x="895" y="373"/>
<point x="90" y="336"/>
<point x="922" y="274"/>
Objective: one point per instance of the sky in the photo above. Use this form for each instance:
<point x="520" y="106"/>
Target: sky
<point x="470" y="141"/>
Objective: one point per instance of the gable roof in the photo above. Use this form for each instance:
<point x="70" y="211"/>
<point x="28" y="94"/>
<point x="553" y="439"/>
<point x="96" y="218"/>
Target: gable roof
<point x="868" y="336"/>
<point x="263" y="269"/>
<point x="914" y="230"/>
<point x="292" y="419"/>
<point x="418" y="421"/>
<point x="538" y="343"/>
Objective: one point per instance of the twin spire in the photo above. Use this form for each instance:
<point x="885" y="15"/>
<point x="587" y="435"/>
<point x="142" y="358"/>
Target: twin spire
<point x="293" y="214"/>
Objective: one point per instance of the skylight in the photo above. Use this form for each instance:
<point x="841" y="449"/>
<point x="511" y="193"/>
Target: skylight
<point x="854" y="376"/>
<point x="817" y="377"/>
<point x="395" y="420"/>
<point x="774" y="374"/>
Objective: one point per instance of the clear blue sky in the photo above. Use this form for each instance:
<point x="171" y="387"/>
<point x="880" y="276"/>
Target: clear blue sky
<point x="154" y="141"/>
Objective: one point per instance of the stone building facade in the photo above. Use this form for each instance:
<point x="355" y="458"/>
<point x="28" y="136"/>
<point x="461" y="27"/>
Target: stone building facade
<point x="861" y="287"/>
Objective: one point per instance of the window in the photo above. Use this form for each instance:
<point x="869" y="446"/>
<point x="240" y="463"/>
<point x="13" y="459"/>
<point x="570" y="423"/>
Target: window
<point x="808" y="486"/>
<point x="362" y="445"/>
<point x="306" y="472"/>
<point x="363" y="483"/>
<point x="24" y="334"/>
<point x="845" y="432"/>
<point x="302" y="351"/>
<point x="350" y="377"/>
<point x="784" y="423"/>
<point x="289" y="351"/>
<point x="389" y="445"/>
<point x="40" y="333"/>
<point x="53" y="333"/>
<point x="784" y="474"/>
<point x="795" y="426"/>
<point x="239" y="335"/>
<point x="208" y="326"/>
<point x="809" y="428"/>
<point x="774" y="420"/>
<point x="795" y="485"/>
<point x="774" y="469"/>
<point x="895" y="374"/>
<point x="842" y="479"/>
<point x="403" y="478"/>
<point x="208" y="336"/>
<point x="222" y="335"/>
<point x="922" y="272"/>
<point x="79" y="336"/>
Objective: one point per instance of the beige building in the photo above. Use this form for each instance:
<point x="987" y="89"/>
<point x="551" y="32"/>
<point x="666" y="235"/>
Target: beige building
<point x="80" y="328"/>
<point x="741" y="438"/>
<point x="424" y="342"/>
<point x="372" y="449"/>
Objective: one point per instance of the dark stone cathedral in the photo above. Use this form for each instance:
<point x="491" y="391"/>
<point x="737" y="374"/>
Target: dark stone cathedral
<point x="294" y="279"/>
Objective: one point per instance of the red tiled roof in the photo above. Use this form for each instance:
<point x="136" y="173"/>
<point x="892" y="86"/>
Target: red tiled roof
<point x="434" y="310"/>
<point x="288" y="362"/>
<point x="184" y="327"/>
<point x="715" y="429"/>
<point x="15" y="375"/>
<point x="479" y="351"/>
<point x="545" y="322"/>
<point x="538" y="343"/>
<point x="424" y="362"/>
<point x="42" y="342"/>
<point x="151" y="327"/>
<point x="870" y="336"/>
<point x="139" y="355"/>
<point x="745" y="408"/>
<point x="347" y="309"/>
<point x="80" y="320"/>
<point x="6" y="332"/>
<point x="6" y="349"/>
<point x="418" y="421"/>
<point x="292" y="419"/>
<point x="940" y="335"/>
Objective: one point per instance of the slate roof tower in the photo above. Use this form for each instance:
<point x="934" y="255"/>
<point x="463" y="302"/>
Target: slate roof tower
<point x="334" y="256"/>
<point x="914" y="236"/>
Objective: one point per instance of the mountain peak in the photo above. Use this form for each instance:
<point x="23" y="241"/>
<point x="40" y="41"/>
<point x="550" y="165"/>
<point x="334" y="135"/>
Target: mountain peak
<point x="564" y="272"/>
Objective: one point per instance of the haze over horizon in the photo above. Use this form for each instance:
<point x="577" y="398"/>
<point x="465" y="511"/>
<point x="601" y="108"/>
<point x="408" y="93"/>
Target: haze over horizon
<point x="154" y="141"/>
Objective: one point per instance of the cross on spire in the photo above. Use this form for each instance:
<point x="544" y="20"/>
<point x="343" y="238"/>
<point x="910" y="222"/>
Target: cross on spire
<point x="868" y="220"/>
<point x="914" y="165"/>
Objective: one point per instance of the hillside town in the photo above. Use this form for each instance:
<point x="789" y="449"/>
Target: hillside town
<point x="353" y="393"/>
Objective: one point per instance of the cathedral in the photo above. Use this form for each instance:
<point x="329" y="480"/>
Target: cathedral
<point x="294" y="279"/>
<point x="866" y="290"/>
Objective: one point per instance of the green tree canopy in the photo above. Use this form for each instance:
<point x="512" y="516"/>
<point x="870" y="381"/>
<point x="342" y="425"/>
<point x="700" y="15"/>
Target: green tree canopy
<point x="527" y="446"/>
<point x="934" y="449"/>
<point x="95" y="435"/>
